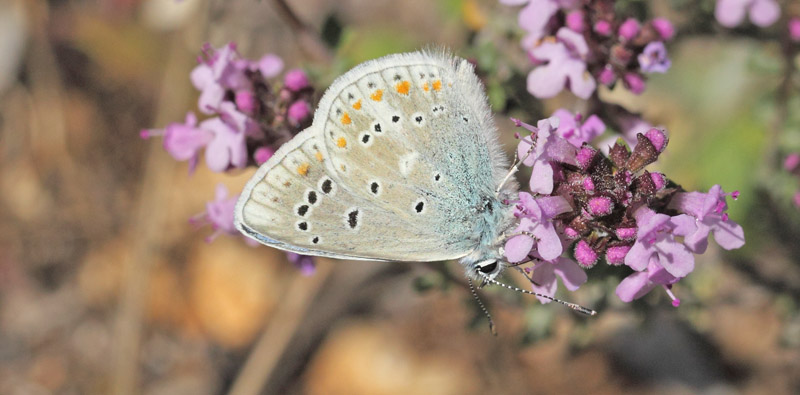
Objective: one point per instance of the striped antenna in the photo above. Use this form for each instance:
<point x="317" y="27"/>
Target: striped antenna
<point x="480" y="303"/>
<point x="572" y="306"/>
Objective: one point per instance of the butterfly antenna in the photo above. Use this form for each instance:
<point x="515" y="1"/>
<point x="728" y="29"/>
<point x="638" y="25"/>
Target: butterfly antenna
<point x="480" y="303"/>
<point x="572" y="306"/>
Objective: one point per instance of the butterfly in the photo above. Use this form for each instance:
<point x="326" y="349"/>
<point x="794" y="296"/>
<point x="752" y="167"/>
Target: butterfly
<point x="401" y="163"/>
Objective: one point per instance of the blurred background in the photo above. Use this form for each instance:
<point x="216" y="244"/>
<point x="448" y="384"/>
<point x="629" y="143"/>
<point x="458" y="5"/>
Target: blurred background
<point x="106" y="288"/>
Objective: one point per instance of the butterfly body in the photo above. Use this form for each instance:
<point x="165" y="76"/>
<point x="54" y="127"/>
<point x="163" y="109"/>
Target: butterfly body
<point x="401" y="163"/>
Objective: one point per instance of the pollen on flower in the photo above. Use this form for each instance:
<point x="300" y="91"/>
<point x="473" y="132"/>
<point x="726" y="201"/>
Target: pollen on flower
<point x="346" y="119"/>
<point x="600" y="206"/>
<point x="357" y="105"/>
<point x="584" y="254"/>
<point x="303" y="169"/>
<point x="403" y="87"/>
<point x="341" y="142"/>
<point x="318" y="155"/>
<point x="377" y="95"/>
<point x="426" y="87"/>
<point x="616" y="255"/>
<point x="437" y="85"/>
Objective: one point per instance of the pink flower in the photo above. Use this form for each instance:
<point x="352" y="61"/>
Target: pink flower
<point x="730" y="13"/>
<point x="269" y="65"/>
<point x="653" y="58"/>
<point x="629" y="29"/>
<point x="564" y="64"/>
<point x="549" y="147"/>
<point x="219" y="214"/>
<point x="708" y="210"/>
<point x="536" y="15"/>
<point x="792" y="162"/>
<point x="640" y="283"/>
<point x="574" y="21"/>
<point x="570" y="128"/>
<point x="664" y="28"/>
<point x="656" y="239"/>
<point x="298" y="111"/>
<point x="634" y="83"/>
<point x="228" y="147"/>
<point x="183" y="141"/>
<point x="584" y="254"/>
<point x="794" y="29"/>
<point x="245" y="101"/>
<point x="262" y="155"/>
<point x="602" y="28"/>
<point x="536" y="227"/>
<point x="295" y="80"/>
<point x="220" y="71"/>
<point x="545" y="273"/>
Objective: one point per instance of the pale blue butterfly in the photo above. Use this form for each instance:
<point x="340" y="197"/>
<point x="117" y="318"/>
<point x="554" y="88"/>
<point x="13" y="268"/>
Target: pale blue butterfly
<point x="401" y="163"/>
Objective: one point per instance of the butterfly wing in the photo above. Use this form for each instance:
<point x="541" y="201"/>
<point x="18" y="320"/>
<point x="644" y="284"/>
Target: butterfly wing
<point x="400" y="155"/>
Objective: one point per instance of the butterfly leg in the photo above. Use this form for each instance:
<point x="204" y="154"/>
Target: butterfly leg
<point x="514" y="169"/>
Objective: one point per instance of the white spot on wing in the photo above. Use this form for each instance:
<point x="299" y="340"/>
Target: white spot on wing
<point x="407" y="163"/>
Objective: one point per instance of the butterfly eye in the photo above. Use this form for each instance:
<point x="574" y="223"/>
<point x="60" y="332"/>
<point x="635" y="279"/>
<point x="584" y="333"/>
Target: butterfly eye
<point x="487" y="266"/>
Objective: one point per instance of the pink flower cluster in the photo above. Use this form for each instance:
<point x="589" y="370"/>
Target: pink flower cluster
<point x="248" y="119"/>
<point x="577" y="44"/>
<point x="609" y="209"/>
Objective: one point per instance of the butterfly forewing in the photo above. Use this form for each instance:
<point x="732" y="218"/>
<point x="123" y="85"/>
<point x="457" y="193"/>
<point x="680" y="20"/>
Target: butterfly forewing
<point x="392" y="168"/>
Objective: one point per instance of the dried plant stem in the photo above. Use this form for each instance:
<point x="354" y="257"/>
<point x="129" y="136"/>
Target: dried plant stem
<point x="278" y="332"/>
<point x="147" y="229"/>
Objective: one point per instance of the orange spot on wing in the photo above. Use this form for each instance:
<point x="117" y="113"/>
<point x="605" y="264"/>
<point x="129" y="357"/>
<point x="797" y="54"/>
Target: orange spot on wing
<point x="437" y="85"/>
<point x="303" y="169"/>
<point x="341" y="142"/>
<point x="403" y="87"/>
<point x="377" y="95"/>
<point x="346" y="119"/>
<point x="357" y="105"/>
<point x="318" y="155"/>
<point x="426" y="87"/>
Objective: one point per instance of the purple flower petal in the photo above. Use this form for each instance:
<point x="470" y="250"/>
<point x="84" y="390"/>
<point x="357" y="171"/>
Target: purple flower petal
<point x="549" y="244"/>
<point x="572" y="276"/>
<point x="544" y="280"/>
<point x="638" y="257"/>
<point x="728" y="234"/>
<point x="545" y="82"/>
<point x="542" y="177"/>
<point x="730" y="13"/>
<point x="534" y="17"/>
<point x="764" y="12"/>
<point x="518" y="247"/>
<point x="675" y="257"/>
<point x="634" y="286"/>
<point x="270" y="65"/>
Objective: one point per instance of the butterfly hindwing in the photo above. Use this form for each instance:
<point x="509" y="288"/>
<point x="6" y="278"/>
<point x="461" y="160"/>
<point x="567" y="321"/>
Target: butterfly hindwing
<point x="393" y="165"/>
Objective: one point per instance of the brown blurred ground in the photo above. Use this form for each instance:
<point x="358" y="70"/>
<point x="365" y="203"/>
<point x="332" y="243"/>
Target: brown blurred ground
<point x="104" y="286"/>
